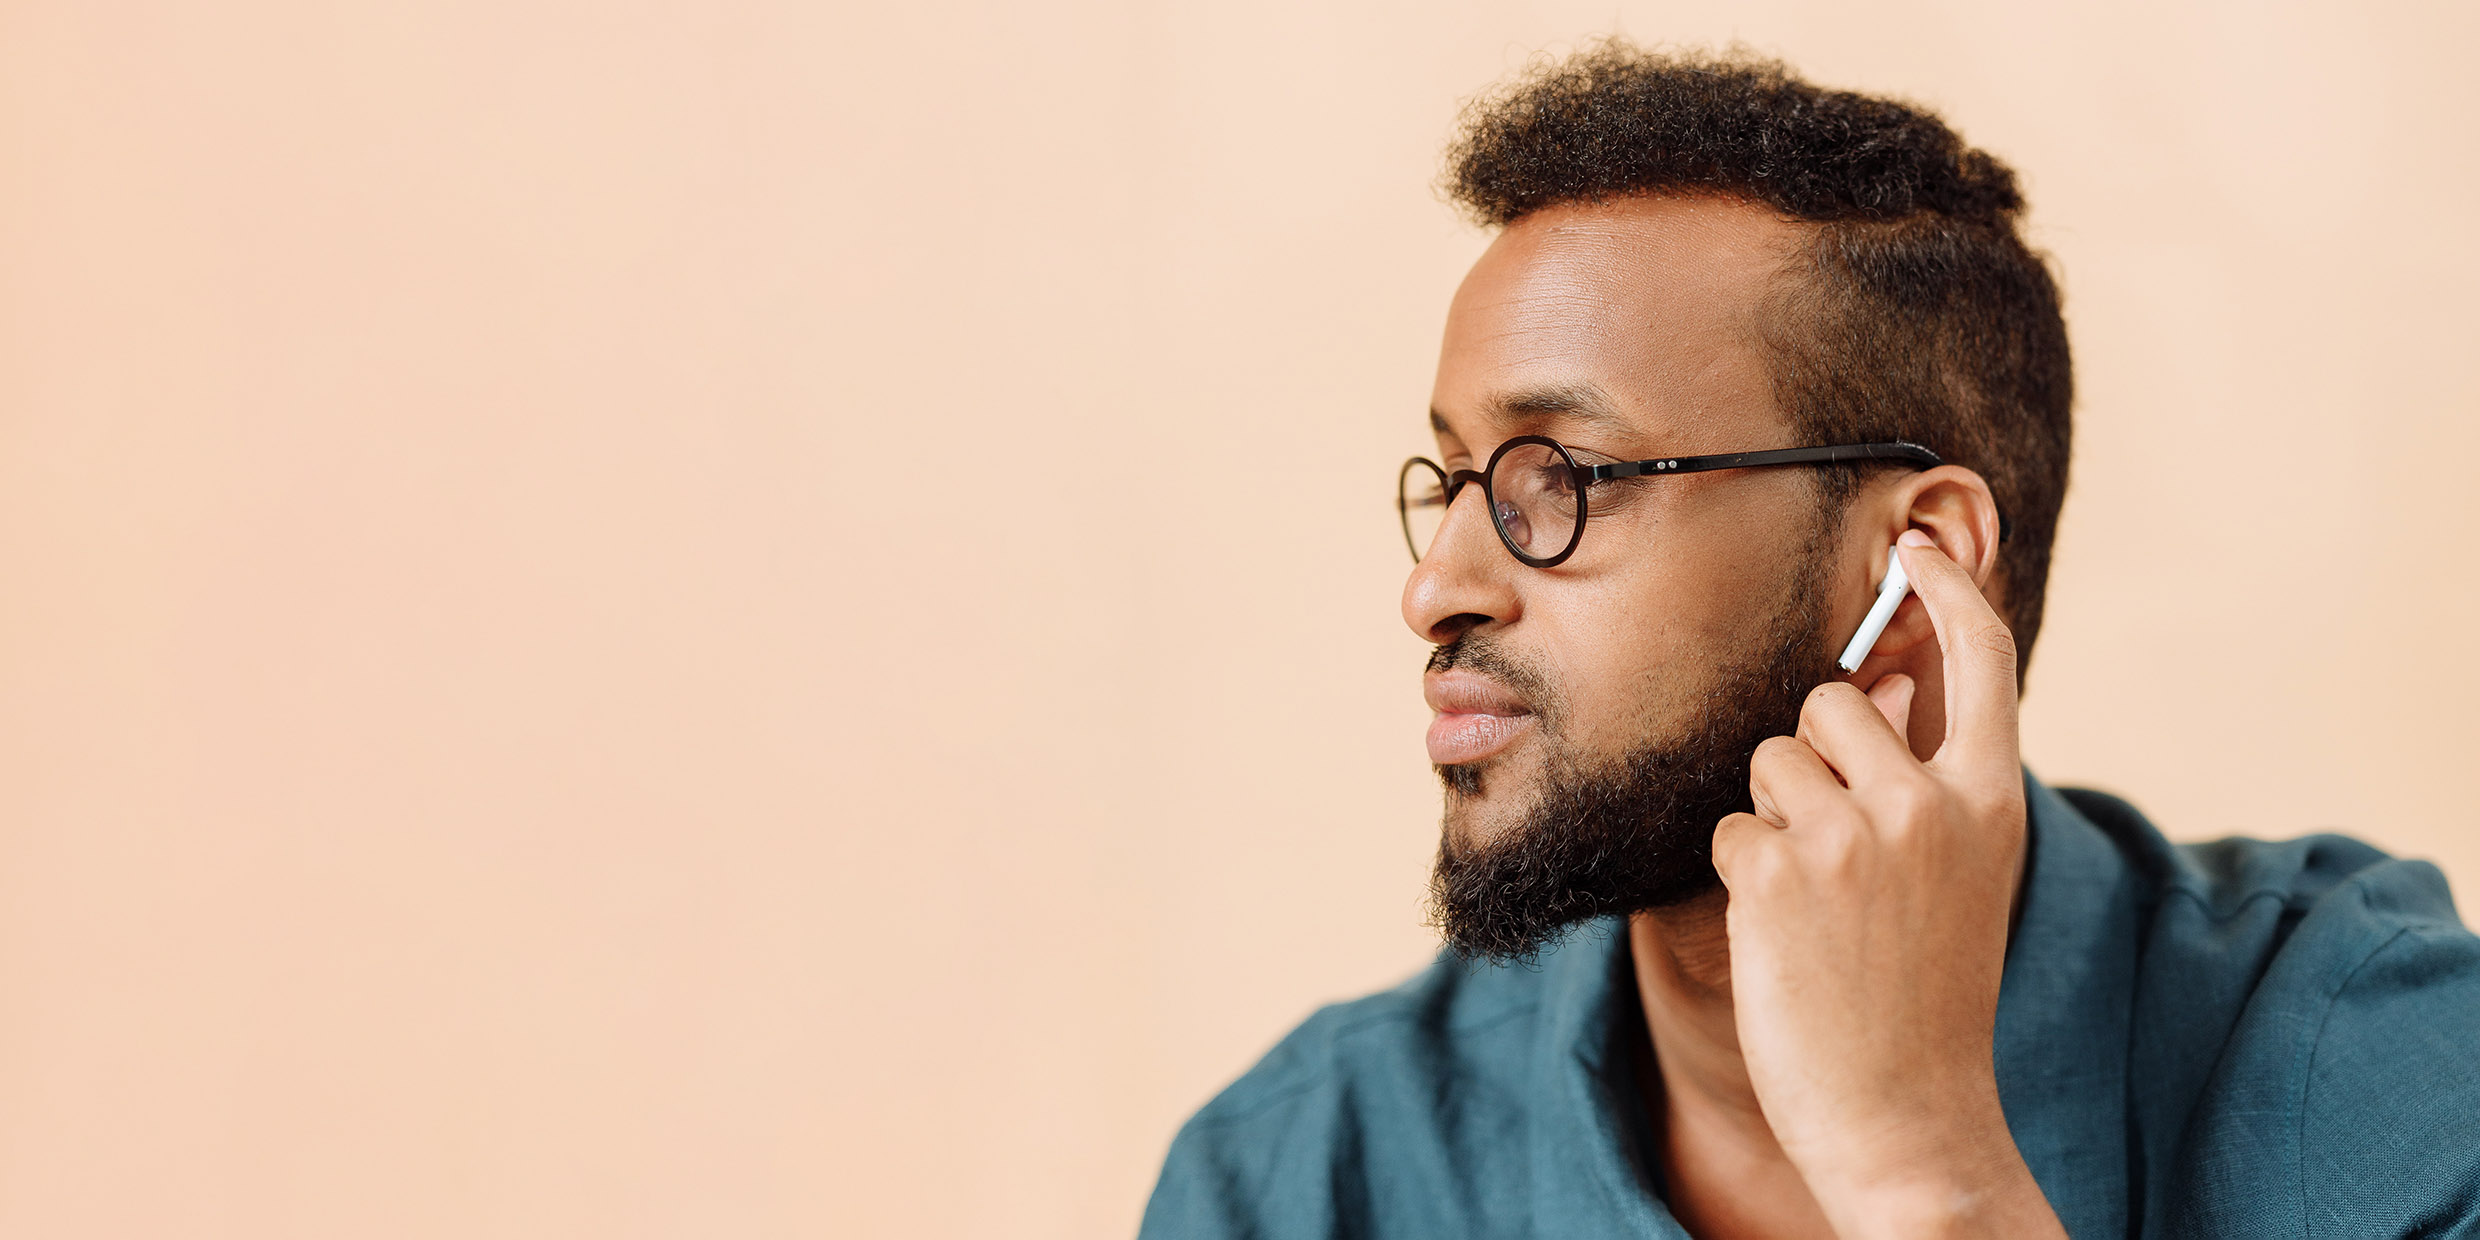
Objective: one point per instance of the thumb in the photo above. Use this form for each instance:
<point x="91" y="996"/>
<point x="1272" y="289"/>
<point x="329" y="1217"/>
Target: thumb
<point x="1892" y="695"/>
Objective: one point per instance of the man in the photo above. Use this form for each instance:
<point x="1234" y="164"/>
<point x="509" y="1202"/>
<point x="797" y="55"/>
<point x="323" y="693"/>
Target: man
<point x="1745" y="945"/>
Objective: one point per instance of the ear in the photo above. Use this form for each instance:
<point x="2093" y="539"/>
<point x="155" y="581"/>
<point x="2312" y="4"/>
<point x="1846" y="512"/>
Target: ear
<point x="1953" y="506"/>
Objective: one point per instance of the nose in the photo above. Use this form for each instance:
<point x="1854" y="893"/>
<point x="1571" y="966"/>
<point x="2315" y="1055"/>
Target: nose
<point x="1467" y="580"/>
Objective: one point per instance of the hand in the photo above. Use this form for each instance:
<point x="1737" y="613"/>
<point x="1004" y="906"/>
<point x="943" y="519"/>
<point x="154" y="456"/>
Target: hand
<point x="1869" y="901"/>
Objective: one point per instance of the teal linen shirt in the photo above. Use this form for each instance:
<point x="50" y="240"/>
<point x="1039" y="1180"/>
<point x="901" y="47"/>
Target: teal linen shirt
<point x="2236" y="1039"/>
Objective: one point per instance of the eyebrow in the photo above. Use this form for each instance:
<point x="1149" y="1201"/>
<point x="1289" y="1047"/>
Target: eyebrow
<point x="1582" y="403"/>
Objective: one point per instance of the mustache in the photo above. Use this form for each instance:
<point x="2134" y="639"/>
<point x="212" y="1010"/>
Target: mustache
<point x="1480" y="653"/>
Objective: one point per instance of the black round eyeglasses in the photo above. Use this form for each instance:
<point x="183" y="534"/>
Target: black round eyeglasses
<point x="1536" y="489"/>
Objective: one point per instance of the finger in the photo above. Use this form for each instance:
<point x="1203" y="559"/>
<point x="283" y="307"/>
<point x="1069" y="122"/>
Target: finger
<point x="1792" y="786"/>
<point x="1979" y="654"/>
<point x="1892" y="696"/>
<point x="1847" y="730"/>
<point x="1737" y="839"/>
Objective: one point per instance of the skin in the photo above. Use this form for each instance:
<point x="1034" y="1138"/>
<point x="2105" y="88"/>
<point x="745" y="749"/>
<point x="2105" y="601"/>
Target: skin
<point x="1821" y="1028"/>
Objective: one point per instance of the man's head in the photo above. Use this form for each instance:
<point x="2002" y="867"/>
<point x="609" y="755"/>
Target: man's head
<point x="1699" y="256"/>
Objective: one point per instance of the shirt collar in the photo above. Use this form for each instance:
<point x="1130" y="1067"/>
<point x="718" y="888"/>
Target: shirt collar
<point x="2065" y="1012"/>
<point x="2064" y="1006"/>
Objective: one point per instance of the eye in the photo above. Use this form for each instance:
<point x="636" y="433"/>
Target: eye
<point x="1613" y="494"/>
<point x="1606" y="495"/>
<point x="1553" y="477"/>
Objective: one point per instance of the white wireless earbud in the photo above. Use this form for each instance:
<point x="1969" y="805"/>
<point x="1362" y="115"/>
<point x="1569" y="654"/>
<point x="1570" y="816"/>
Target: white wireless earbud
<point x="1889" y="597"/>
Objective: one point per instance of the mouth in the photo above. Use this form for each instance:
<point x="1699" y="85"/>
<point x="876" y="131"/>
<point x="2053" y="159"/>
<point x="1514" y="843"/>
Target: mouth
<point x="1476" y="717"/>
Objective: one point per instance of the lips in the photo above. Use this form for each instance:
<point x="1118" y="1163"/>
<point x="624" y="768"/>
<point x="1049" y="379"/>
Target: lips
<point x="1476" y="717"/>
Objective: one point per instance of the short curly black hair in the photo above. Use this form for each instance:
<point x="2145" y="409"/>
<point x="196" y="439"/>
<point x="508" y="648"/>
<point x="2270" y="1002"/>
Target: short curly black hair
<point x="1922" y="315"/>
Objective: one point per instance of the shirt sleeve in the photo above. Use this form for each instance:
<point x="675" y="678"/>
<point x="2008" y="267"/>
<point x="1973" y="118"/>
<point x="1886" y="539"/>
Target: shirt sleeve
<point x="2389" y="1134"/>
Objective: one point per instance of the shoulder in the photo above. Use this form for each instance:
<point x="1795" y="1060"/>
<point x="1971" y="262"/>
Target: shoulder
<point x="2372" y="979"/>
<point x="1365" y="1117"/>
<point x="2389" y="1101"/>
<point x="2223" y="877"/>
<point x="2325" y="997"/>
<point x="2323" y="927"/>
<point x="2312" y="906"/>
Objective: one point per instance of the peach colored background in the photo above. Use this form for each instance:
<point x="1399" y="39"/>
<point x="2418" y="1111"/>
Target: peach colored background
<point x="744" y="619"/>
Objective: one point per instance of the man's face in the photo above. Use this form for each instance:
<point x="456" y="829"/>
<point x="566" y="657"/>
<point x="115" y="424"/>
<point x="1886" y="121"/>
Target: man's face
<point x="1595" y="718"/>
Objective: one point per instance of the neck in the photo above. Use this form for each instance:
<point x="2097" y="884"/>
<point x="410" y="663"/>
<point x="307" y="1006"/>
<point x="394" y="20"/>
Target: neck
<point x="1724" y="1175"/>
<point x="1683" y="977"/>
<point x="1723" y="1172"/>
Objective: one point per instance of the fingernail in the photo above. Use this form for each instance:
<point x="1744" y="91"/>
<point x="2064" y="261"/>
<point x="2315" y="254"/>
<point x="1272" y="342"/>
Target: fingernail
<point x="1916" y="538"/>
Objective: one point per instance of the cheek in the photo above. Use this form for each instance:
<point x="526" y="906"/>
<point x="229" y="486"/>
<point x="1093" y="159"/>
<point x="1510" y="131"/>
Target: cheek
<point x="1634" y="653"/>
<point x="1620" y="655"/>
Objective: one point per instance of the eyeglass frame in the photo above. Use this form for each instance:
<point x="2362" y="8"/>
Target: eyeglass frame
<point x="1453" y="482"/>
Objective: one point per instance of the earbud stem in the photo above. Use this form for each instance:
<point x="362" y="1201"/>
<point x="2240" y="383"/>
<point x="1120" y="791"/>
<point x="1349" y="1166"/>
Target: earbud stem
<point x="1889" y="596"/>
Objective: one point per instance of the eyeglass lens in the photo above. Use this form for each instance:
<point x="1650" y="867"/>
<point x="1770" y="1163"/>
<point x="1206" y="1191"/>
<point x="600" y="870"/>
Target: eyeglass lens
<point x="1534" y="502"/>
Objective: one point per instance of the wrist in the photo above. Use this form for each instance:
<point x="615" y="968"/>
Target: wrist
<point x="1948" y="1202"/>
<point x="1959" y="1177"/>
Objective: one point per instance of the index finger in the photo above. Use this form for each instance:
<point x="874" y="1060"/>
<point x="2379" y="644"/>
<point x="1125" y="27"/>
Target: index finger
<point x="1979" y="652"/>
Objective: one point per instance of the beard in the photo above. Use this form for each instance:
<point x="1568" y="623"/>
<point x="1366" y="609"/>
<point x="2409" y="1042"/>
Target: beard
<point x="1626" y="835"/>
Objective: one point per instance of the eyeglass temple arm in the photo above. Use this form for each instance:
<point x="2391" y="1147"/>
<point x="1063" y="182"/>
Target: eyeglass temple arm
<point x="1907" y="453"/>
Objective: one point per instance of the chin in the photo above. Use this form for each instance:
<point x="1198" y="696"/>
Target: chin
<point x="1481" y="803"/>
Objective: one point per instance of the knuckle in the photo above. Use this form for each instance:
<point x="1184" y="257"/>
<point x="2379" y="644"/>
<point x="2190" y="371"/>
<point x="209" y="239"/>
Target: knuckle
<point x="1902" y="832"/>
<point x="1909" y="801"/>
<point x="1838" y="854"/>
<point x="2001" y="801"/>
<point x="1759" y="867"/>
<point x="1839" y="821"/>
<point x="1996" y="643"/>
<point x="1774" y="751"/>
<point x="1735" y="842"/>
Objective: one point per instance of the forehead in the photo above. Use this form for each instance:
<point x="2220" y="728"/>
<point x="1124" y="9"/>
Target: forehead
<point x="1635" y="319"/>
